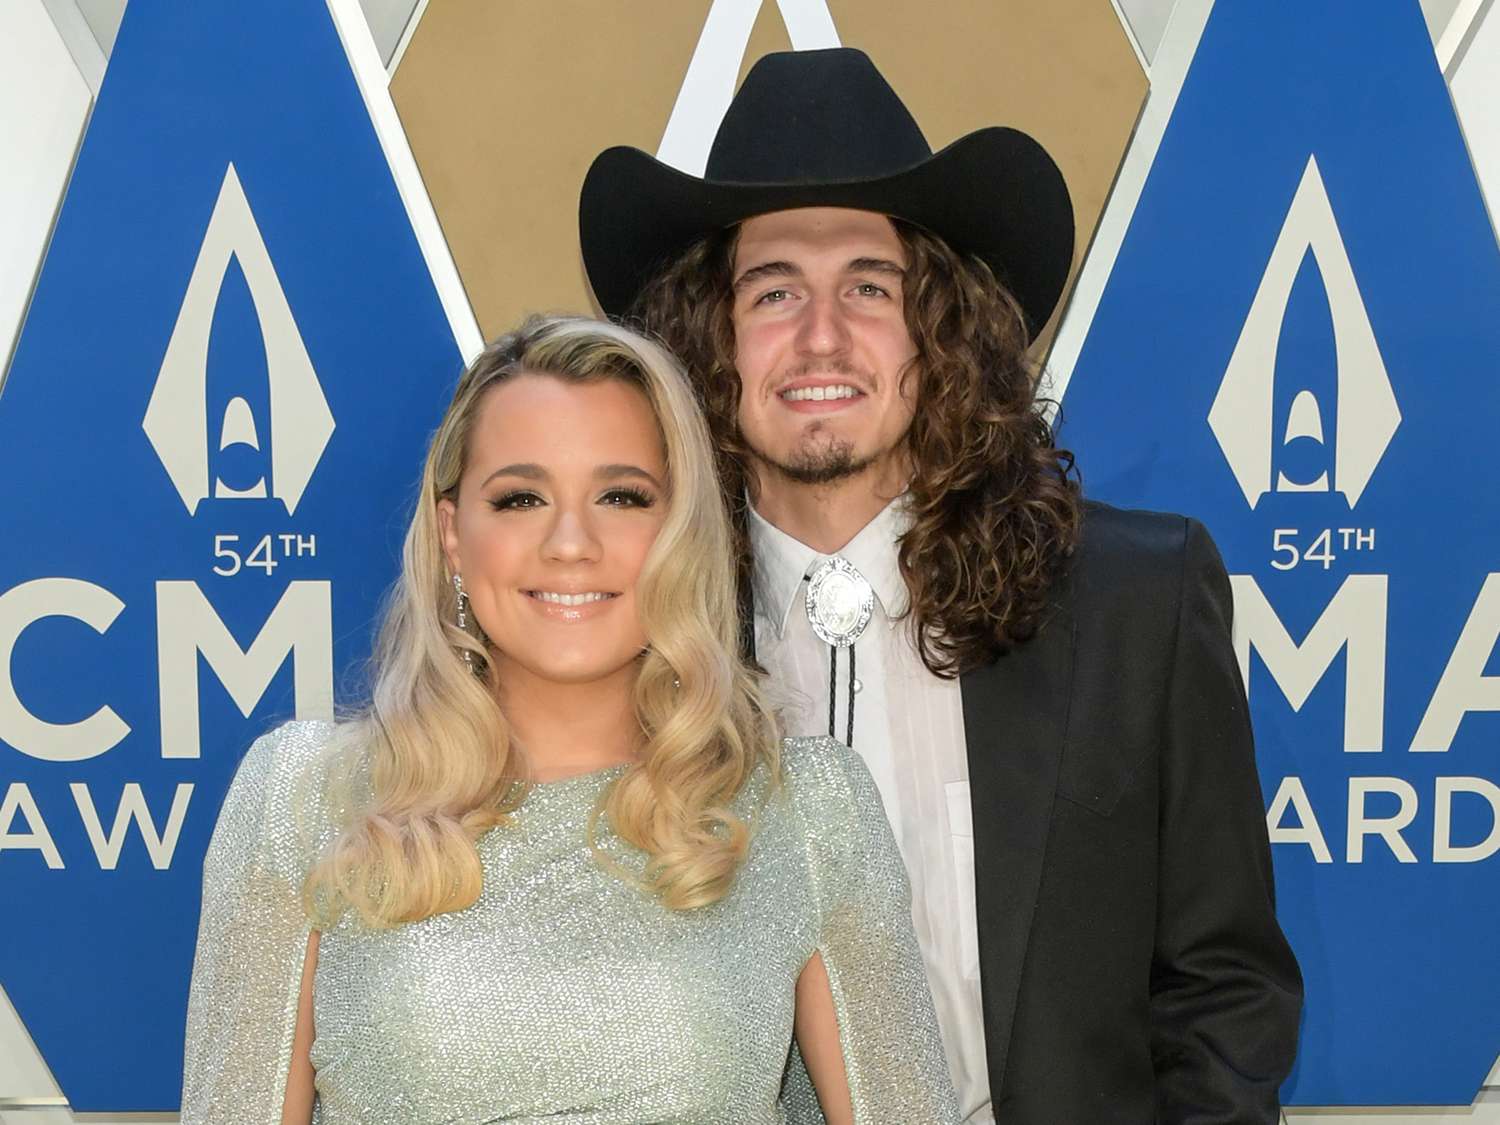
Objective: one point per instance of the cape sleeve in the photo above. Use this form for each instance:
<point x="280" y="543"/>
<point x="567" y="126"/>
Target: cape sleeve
<point x="252" y="938"/>
<point x="893" y="1051"/>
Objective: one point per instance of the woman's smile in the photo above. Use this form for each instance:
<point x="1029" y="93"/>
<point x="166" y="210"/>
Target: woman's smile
<point x="571" y="607"/>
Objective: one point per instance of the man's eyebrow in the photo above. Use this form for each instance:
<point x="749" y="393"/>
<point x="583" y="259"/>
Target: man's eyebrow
<point x="615" y="472"/>
<point x="528" y="470"/>
<point x="765" y="270"/>
<point x="874" y="265"/>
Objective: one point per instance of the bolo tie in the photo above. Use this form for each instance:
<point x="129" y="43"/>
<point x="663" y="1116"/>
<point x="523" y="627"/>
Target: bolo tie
<point x="839" y="604"/>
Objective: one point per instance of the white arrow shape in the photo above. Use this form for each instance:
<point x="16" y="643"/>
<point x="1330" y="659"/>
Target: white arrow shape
<point x="708" y="86"/>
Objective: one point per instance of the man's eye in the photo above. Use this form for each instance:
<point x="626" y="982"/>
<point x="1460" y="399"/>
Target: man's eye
<point x="627" y="498"/>
<point x="516" y="501"/>
<point x="775" y="296"/>
<point x="870" y="289"/>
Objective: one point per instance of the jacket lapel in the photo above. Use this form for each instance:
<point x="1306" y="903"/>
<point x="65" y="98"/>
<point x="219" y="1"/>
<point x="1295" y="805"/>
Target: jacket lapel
<point x="1015" y="720"/>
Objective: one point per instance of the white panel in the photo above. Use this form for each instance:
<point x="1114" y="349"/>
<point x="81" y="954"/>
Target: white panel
<point x="1475" y="86"/>
<point x="1450" y="44"/>
<point x="387" y="20"/>
<point x="1438" y="13"/>
<point x="392" y="63"/>
<point x="78" y="38"/>
<point x="809" y="24"/>
<point x="1146" y="21"/>
<point x="44" y="103"/>
<point x="104" y="18"/>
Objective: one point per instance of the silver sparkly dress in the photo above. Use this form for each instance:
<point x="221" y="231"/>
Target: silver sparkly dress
<point x="564" y="994"/>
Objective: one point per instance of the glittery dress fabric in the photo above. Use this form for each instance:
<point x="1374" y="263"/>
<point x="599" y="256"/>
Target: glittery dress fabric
<point x="564" y="994"/>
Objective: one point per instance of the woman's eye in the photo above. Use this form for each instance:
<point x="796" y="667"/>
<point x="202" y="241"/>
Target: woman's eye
<point x="516" y="501"/>
<point x="627" y="498"/>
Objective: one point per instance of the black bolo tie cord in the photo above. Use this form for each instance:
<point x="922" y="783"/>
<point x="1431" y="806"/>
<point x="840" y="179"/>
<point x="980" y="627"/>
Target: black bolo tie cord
<point x="833" y="695"/>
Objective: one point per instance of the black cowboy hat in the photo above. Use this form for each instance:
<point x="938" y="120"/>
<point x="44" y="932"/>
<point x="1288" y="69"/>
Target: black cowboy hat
<point x="824" y="129"/>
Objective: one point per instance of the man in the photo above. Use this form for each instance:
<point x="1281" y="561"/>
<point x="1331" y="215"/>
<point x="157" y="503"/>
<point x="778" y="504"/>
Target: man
<point x="1045" y="690"/>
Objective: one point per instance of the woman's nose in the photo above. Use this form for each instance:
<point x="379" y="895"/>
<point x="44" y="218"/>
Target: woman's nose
<point x="572" y="538"/>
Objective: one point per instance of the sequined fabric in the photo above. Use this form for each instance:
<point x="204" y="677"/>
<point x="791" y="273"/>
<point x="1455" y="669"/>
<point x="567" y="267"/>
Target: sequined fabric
<point x="564" y="994"/>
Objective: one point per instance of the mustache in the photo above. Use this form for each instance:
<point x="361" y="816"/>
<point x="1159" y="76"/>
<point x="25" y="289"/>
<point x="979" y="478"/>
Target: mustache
<point x="815" y="367"/>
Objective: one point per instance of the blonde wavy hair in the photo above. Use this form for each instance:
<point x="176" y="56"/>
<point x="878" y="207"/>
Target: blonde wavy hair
<point x="431" y="756"/>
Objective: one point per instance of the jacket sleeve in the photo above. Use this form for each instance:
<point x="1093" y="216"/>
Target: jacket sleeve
<point x="252" y="938"/>
<point x="1226" y="993"/>
<point x="893" y="1051"/>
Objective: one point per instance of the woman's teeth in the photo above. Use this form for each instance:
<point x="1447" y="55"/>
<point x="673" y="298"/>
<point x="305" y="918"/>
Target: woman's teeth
<point x="568" y="599"/>
<point x="819" y="394"/>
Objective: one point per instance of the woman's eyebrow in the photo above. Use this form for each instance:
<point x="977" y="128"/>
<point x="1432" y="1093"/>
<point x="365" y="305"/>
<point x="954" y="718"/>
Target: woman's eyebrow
<point x="528" y="470"/>
<point x="615" y="472"/>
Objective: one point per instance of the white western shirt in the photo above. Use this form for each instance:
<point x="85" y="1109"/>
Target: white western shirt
<point x="909" y="729"/>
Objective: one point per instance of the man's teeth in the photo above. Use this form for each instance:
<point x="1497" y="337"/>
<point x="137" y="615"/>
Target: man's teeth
<point x="569" y="599"/>
<point x="819" y="394"/>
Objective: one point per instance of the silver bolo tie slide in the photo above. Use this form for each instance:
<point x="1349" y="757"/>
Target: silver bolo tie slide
<point x="839" y="605"/>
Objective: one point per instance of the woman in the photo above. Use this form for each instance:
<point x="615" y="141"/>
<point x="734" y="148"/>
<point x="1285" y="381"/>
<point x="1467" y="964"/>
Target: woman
<point x="560" y="867"/>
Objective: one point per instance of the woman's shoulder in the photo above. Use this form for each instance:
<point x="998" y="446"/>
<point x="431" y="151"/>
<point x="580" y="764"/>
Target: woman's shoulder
<point x="839" y="815"/>
<point x="277" y="801"/>
<point x="288" y="749"/>
<point x="282" y="761"/>
<point x="825" y="777"/>
<point x="815" y="756"/>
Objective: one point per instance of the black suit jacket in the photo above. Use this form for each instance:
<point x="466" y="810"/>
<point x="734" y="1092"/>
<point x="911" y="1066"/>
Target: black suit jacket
<point x="1133" y="970"/>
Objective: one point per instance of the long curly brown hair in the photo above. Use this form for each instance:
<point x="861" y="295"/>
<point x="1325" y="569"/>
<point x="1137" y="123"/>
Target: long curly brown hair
<point x="995" y="503"/>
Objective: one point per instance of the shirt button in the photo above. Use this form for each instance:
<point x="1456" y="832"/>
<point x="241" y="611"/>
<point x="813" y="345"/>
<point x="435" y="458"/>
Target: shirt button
<point x="859" y="685"/>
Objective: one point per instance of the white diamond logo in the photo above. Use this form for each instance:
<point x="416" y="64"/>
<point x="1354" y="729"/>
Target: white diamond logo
<point x="1241" y="415"/>
<point x="176" y="421"/>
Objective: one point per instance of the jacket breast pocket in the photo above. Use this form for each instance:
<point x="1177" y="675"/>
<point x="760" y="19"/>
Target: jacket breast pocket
<point x="1097" y="772"/>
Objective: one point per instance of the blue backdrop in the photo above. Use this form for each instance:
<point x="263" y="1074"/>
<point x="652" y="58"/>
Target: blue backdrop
<point x="306" y="362"/>
<point x="1300" y="336"/>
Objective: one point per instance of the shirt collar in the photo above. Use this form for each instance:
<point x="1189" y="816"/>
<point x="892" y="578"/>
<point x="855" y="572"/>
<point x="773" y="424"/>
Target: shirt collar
<point x="781" y="562"/>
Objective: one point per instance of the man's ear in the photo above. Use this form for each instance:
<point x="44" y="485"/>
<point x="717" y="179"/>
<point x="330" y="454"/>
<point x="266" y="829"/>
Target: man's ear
<point x="447" y="514"/>
<point x="910" y="379"/>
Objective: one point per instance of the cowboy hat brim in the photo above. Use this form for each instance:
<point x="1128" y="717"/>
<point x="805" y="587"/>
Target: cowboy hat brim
<point x="994" y="193"/>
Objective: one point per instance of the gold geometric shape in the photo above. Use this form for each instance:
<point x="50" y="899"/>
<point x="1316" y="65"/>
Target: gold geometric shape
<point x="506" y="104"/>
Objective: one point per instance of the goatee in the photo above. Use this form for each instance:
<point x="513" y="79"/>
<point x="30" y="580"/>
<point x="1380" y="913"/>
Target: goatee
<point x="833" y="462"/>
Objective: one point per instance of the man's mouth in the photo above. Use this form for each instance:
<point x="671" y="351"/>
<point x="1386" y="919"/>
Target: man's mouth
<point x="827" y="393"/>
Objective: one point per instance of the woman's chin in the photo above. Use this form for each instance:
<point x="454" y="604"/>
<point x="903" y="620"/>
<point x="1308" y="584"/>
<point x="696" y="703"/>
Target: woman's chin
<point x="575" y="669"/>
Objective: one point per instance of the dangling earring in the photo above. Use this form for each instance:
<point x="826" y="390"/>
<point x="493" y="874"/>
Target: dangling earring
<point x="463" y="616"/>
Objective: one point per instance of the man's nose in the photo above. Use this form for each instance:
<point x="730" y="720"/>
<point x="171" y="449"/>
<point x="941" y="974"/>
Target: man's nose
<point x="824" y="330"/>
